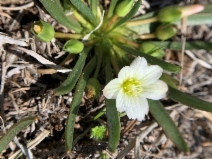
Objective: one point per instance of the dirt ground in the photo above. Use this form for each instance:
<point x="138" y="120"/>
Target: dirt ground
<point x="27" y="90"/>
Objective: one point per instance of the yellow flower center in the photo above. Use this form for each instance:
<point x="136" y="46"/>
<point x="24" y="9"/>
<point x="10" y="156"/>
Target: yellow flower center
<point x="132" y="87"/>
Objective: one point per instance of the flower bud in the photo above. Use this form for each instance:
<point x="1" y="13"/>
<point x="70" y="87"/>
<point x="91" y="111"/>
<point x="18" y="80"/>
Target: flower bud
<point x="151" y="49"/>
<point x="124" y="7"/>
<point x="169" y="14"/>
<point x="173" y="13"/>
<point x="165" y="31"/>
<point x="73" y="46"/>
<point x="43" y="31"/>
<point x="92" y="88"/>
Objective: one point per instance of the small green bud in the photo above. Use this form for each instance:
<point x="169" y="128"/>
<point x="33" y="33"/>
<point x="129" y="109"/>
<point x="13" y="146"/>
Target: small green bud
<point x="165" y="31"/>
<point x="98" y="132"/>
<point x="172" y="13"/>
<point x="92" y="88"/>
<point x="73" y="46"/>
<point x="169" y="14"/>
<point x="43" y="31"/>
<point x="151" y="49"/>
<point x="124" y="7"/>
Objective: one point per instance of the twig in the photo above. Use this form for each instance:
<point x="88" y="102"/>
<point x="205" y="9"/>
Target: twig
<point x="23" y="148"/>
<point x="183" y="38"/>
<point x="199" y="61"/>
<point x="18" y="8"/>
<point x="132" y="143"/>
<point x="3" y="74"/>
<point x="129" y="127"/>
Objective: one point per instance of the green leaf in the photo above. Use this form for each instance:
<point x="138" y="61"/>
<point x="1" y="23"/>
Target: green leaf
<point x="129" y="15"/>
<point x="198" y="19"/>
<point x="145" y="16"/>
<point x="189" y="45"/>
<point x="164" y="120"/>
<point x="207" y="9"/>
<point x="113" y="120"/>
<point x="201" y="18"/>
<point x="169" y="80"/>
<point x="189" y="100"/>
<point x="94" y="6"/>
<point x="86" y="12"/>
<point x="75" y="104"/>
<point x="111" y="8"/>
<point x="154" y="61"/>
<point x="14" y="130"/>
<point x="70" y="82"/>
<point x="55" y="9"/>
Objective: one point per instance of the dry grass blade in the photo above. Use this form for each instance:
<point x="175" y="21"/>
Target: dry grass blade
<point x="6" y="39"/>
<point x="197" y="60"/>
<point x="18" y="8"/>
<point x="43" y="60"/>
<point x="33" y="143"/>
<point x="132" y="143"/>
<point x="129" y="127"/>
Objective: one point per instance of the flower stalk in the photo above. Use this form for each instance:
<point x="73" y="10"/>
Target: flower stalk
<point x="127" y="42"/>
<point x="68" y="35"/>
<point x="147" y="36"/>
<point x="142" y="22"/>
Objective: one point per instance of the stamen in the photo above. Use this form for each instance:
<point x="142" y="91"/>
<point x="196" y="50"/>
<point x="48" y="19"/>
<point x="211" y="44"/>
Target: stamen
<point x="132" y="87"/>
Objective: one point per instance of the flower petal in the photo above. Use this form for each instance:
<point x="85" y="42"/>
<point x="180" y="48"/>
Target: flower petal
<point x="135" y="106"/>
<point x="112" y="88"/>
<point x="124" y="74"/>
<point x="120" y="101"/>
<point x="155" y="90"/>
<point x="151" y="75"/>
<point x="139" y="66"/>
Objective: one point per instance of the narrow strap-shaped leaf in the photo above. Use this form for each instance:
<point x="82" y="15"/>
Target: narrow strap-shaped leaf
<point x="94" y="6"/>
<point x="70" y="82"/>
<point x="86" y="12"/>
<point x="170" y="80"/>
<point x="207" y="8"/>
<point x="190" y="45"/>
<point x="111" y="8"/>
<point x="113" y="120"/>
<point x="164" y="120"/>
<point x="144" y="16"/>
<point x="198" y="19"/>
<point x="189" y="100"/>
<point x="129" y="15"/>
<point x="154" y="61"/>
<point x="56" y="11"/>
<point x="14" y="130"/>
<point x="74" y="107"/>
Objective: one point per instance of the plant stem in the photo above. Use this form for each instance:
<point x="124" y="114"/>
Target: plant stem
<point x="147" y="36"/>
<point x="99" y="62"/>
<point x="143" y="21"/>
<point x="111" y="22"/>
<point x="114" y="62"/>
<point x="68" y="36"/>
<point x="128" y="42"/>
<point x="69" y="58"/>
<point x="90" y="42"/>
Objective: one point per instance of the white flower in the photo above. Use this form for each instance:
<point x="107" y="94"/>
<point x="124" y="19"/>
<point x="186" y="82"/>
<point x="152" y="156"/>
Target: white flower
<point x="136" y="83"/>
